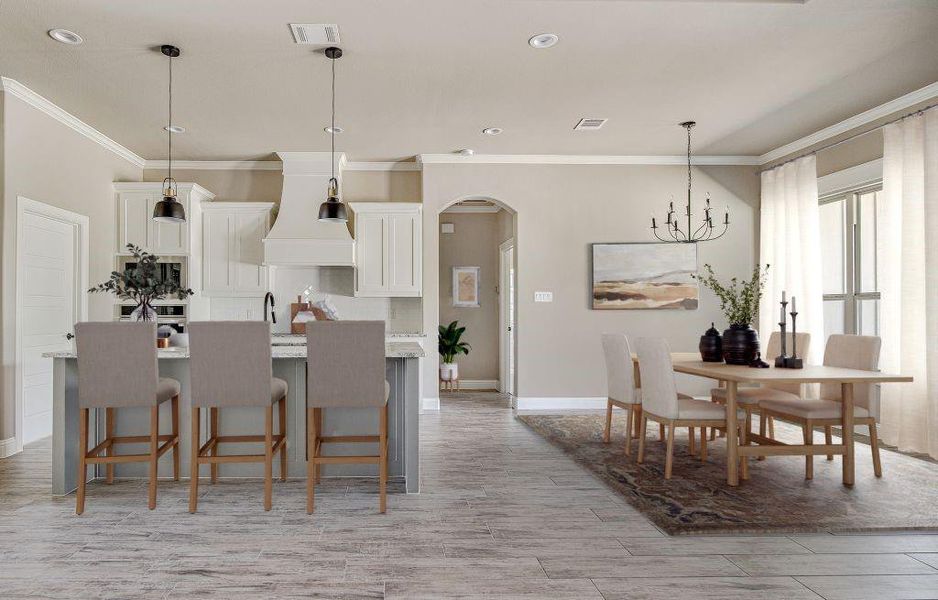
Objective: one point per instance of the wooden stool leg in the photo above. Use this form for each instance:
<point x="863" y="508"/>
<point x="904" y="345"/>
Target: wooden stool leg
<point x="641" y="438"/>
<point x="311" y="437"/>
<point x="283" y="432"/>
<point x="268" y="457"/>
<point x="154" y="447"/>
<point x="175" y="448"/>
<point x="383" y="465"/>
<point x="319" y="431"/>
<point x="608" y="428"/>
<point x="212" y="434"/>
<point x="692" y="441"/>
<point x="630" y="416"/>
<point x="808" y="430"/>
<point x="194" y="461"/>
<point x="108" y="451"/>
<point x="874" y="446"/>
<point x="828" y="439"/>
<point x="82" y="464"/>
<point x="703" y="444"/>
<point x="669" y="456"/>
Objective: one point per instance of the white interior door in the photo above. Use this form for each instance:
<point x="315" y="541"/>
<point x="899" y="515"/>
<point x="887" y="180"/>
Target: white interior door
<point x="506" y="263"/>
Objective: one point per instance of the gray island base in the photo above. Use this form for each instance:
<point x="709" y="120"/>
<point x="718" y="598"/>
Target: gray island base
<point x="289" y="363"/>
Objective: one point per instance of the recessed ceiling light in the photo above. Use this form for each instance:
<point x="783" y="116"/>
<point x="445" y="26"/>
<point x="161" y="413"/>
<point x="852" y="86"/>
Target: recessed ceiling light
<point x="175" y="129"/>
<point x="465" y="152"/>
<point x="492" y="130"/>
<point x="335" y="129"/>
<point x="65" y="36"/>
<point x="543" y="40"/>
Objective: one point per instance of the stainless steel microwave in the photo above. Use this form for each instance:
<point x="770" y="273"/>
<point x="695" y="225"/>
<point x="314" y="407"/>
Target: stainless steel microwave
<point x="169" y="269"/>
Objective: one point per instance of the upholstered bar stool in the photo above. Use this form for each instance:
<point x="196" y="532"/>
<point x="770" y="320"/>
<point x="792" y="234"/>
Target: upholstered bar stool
<point x="230" y="366"/>
<point x="117" y="368"/>
<point x="345" y="369"/>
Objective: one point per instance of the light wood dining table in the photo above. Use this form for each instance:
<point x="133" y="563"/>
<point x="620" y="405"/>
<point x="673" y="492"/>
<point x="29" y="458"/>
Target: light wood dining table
<point x="732" y="375"/>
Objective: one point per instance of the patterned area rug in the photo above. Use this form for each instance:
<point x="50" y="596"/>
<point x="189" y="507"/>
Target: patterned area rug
<point x="776" y="497"/>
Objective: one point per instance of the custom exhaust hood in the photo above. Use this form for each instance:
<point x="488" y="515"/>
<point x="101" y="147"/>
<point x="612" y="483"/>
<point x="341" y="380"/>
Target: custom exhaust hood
<point x="298" y="238"/>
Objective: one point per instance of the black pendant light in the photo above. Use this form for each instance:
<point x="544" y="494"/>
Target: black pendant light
<point x="332" y="210"/>
<point x="169" y="210"/>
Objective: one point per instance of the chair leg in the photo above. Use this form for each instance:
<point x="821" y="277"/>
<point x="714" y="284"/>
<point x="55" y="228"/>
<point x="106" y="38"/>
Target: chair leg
<point x="608" y="430"/>
<point x="154" y="447"/>
<point x="212" y="434"/>
<point x="175" y="448"/>
<point x="268" y="457"/>
<point x="808" y="431"/>
<point x="108" y="434"/>
<point x="745" y="427"/>
<point x="713" y="433"/>
<point x="630" y="417"/>
<point x="874" y="446"/>
<point x="669" y="456"/>
<point x="283" y="432"/>
<point x="692" y="441"/>
<point x="82" y="464"/>
<point x="661" y="433"/>
<point x="320" y="432"/>
<point x="383" y="464"/>
<point x="194" y="461"/>
<point x="772" y="427"/>
<point x="828" y="439"/>
<point x="641" y="438"/>
<point x="763" y="426"/>
<point x="703" y="443"/>
<point x="311" y="438"/>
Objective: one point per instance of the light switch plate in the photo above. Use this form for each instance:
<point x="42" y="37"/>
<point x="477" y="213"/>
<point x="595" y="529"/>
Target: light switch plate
<point x="447" y="228"/>
<point x="543" y="296"/>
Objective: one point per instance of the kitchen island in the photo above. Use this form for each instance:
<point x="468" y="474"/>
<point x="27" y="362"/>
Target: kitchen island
<point x="289" y="364"/>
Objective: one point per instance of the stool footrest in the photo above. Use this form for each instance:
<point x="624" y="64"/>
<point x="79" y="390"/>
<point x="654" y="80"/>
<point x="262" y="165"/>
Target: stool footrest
<point x="339" y="439"/>
<point x="345" y="460"/>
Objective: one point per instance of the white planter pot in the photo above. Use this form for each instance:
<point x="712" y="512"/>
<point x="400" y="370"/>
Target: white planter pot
<point x="449" y="371"/>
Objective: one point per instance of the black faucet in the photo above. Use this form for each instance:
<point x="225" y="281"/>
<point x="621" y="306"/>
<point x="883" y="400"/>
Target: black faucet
<point x="273" y="316"/>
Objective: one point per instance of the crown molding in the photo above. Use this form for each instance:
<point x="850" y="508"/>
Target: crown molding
<point x="864" y="118"/>
<point x="217" y="165"/>
<point x="584" y="159"/>
<point x="18" y="90"/>
<point x="382" y="166"/>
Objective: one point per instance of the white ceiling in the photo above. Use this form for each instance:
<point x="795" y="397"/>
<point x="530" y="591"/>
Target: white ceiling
<point x="426" y="76"/>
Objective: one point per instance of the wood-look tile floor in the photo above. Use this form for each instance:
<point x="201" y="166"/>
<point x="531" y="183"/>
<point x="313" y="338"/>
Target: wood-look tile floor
<point x="503" y="514"/>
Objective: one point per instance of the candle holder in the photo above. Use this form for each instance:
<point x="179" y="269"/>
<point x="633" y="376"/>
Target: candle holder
<point x="793" y="362"/>
<point x="781" y="359"/>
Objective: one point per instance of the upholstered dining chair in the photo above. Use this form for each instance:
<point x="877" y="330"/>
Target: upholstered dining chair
<point x="846" y="351"/>
<point x="117" y="368"/>
<point x="748" y="398"/>
<point x="661" y="403"/>
<point x="230" y="366"/>
<point x="345" y="368"/>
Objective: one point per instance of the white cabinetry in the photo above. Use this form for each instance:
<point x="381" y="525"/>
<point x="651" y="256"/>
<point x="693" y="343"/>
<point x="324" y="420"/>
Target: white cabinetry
<point x="233" y="249"/>
<point x="135" y="202"/>
<point x="388" y="249"/>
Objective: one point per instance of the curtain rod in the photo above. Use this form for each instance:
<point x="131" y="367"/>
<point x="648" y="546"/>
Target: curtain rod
<point x="850" y="138"/>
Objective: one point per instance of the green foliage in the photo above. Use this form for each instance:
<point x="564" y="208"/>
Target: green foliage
<point x="449" y="343"/>
<point x="739" y="302"/>
<point x="141" y="284"/>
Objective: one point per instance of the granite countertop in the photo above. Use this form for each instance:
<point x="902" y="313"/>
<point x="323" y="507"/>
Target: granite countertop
<point x="392" y="349"/>
<point x="298" y="339"/>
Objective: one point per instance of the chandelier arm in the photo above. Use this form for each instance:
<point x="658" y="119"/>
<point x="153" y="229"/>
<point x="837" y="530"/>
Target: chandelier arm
<point x="722" y="233"/>
<point x="703" y="227"/>
<point x="655" y="231"/>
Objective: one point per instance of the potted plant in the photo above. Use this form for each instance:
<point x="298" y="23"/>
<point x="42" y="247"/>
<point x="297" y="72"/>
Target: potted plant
<point x="141" y="285"/>
<point x="450" y="346"/>
<point x="739" y="302"/>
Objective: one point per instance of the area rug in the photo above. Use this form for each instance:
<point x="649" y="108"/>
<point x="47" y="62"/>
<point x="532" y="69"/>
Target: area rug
<point x="776" y="498"/>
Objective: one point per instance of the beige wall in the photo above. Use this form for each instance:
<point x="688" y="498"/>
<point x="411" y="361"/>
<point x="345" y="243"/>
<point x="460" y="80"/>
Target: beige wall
<point x="473" y="244"/>
<point x="561" y="210"/>
<point x="46" y="161"/>
<point x="381" y="186"/>
<point x="229" y="185"/>
<point x="850" y="154"/>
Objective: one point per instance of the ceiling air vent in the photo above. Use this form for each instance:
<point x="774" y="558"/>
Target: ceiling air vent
<point x="315" y="35"/>
<point x="588" y="123"/>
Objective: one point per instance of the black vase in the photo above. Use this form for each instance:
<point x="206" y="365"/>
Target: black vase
<point x="711" y="346"/>
<point x="740" y="344"/>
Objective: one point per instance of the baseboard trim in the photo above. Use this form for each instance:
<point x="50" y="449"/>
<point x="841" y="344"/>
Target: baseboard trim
<point x="478" y="384"/>
<point x="430" y="404"/>
<point x="583" y="403"/>
<point x="8" y="447"/>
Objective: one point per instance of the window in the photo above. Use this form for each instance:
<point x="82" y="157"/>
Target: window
<point x="848" y="254"/>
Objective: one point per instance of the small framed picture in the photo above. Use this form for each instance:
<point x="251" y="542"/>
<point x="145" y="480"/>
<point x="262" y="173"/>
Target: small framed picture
<point x="466" y="286"/>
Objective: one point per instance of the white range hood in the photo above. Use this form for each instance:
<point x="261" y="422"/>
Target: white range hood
<point x="298" y="238"/>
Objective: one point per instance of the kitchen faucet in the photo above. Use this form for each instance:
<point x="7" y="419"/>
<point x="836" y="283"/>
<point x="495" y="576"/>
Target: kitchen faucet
<point x="273" y="316"/>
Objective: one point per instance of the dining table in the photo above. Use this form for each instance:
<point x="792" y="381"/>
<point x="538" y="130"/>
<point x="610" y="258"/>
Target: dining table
<point x="731" y="376"/>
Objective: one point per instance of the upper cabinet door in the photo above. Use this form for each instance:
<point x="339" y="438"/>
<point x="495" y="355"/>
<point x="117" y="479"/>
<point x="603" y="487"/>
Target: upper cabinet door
<point x="248" y="230"/>
<point x="404" y="254"/>
<point x="233" y="248"/>
<point x="388" y="249"/>
<point x="136" y="211"/>
<point x="169" y="238"/>
<point x="371" y="254"/>
<point x="216" y="252"/>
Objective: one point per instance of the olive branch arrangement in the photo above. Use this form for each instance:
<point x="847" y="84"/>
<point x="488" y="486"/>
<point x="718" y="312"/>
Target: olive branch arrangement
<point x="140" y="283"/>
<point x="738" y="301"/>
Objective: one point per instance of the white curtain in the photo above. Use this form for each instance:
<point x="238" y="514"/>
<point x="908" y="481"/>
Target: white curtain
<point x="907" y="259"/>
<point x="790" y="242"/>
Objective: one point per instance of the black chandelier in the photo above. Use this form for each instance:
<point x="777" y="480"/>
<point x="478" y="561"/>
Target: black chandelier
<point x="705" y="231"/>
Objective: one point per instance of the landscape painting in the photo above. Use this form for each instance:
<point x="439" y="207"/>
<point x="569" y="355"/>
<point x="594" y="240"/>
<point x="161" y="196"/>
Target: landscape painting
<point x="644" y="276"/>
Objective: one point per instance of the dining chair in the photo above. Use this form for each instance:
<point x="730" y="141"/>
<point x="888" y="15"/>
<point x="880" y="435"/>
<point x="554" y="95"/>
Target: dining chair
<point x="230" y="366"/>
<point x="748" y="398"/>
<point x="661" y="403"/>
<point x="345" y="368"/>
<point x="846" y="351"/>
<point x="117" y="368"/>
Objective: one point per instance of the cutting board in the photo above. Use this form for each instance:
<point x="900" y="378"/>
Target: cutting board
<point x="300" y="306"/>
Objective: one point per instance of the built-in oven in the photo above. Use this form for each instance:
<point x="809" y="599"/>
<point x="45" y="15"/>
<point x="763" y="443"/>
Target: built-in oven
<point x="168" y="268"/>
<point x="173" y="315"/>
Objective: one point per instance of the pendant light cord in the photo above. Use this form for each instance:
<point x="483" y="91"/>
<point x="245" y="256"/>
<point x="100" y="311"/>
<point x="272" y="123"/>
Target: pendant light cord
<point x="332" y="160"/>
<point x="170" y="128"/>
